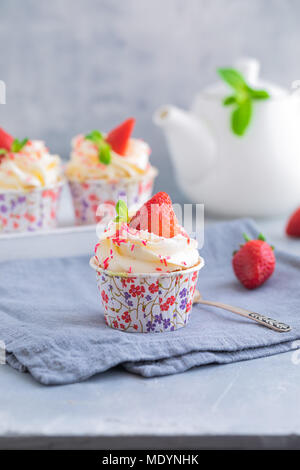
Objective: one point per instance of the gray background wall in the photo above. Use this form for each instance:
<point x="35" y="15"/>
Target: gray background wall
<point x="74" y="65"/>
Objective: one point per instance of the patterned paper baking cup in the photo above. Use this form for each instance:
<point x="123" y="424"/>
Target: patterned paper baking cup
<point x="22" y="211"/>
<point x="147" y="303"/>
<point x="88" y="195"/>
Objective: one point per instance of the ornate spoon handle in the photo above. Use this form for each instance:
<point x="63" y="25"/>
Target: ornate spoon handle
<point x="262" y="319"/>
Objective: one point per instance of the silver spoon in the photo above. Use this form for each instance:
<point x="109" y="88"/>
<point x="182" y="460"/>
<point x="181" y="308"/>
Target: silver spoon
<point x="262" y="319"/>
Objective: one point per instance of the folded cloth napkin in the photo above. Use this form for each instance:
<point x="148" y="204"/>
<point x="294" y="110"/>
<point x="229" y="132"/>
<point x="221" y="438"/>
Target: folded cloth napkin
<point x="53" y="326"/>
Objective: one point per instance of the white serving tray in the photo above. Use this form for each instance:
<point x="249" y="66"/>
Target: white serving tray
<point x="65" y="240"/>
<point x="71" y="240"/>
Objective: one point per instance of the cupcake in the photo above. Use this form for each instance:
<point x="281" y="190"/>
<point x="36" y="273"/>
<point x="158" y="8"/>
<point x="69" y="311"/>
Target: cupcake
<point x="30" y="184"/>
<point x="104" y="168"/>
<point x="147" y="269"/>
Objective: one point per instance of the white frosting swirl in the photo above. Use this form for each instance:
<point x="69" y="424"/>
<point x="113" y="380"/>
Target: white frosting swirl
<point x="32" y="167"/>
<point x="85" y="164"/>
<point x="133" y="251"/>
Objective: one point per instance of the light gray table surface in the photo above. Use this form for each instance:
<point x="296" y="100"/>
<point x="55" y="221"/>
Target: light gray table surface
<point x="251" y="404"/>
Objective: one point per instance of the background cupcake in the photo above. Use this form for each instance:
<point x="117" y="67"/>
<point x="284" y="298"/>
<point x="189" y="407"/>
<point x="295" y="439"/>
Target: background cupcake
<point x="107" y="167"/>
<point x="147" y="269"/>
<point x="30" y="185"/>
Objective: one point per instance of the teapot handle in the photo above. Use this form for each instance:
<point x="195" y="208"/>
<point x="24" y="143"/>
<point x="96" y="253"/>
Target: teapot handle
<point x="249" y="68"/>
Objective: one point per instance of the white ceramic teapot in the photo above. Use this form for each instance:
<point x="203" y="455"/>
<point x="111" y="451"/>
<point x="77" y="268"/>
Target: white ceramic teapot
<point x="257" y="174"/>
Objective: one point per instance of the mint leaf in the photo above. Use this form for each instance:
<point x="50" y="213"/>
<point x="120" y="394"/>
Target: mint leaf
<point x="241" y="117"/>
<point x="3" y="151"/>
<point x="233" y="78"/>
<point x="229" y="100"/>
<point x="17" y="145"/>
<point x="94" y="136"/>
<point x="243" y="98"/>
<point x="104" y="153"/>
<point x="259" y="94"/>
<point x="122" y="211"/>
<point x="24" y="142"/>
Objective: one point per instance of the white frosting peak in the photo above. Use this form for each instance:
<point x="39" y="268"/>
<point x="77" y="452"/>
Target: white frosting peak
<point x="124" y="249"/>
<point x="32" y="167"/>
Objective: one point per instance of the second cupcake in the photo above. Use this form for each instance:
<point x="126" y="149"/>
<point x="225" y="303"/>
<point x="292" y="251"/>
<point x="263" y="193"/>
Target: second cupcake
<point x="107" y="167"/>
<point x="30" y="185"/>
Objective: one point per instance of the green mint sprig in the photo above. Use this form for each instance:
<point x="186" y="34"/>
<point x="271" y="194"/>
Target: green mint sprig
<point x="104" y="148"/>
<point x="242" y="99"/>
<point x="16" y="146"/>
<point x="122" y="212"/>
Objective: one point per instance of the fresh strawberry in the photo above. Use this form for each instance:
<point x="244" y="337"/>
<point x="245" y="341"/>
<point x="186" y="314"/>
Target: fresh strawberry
<point x="293" y="225"/>
<point x="157" y="216"/>
<point x="118" y="138"/>
<point x="6" y="140"/>
<point x="254" y="262"/>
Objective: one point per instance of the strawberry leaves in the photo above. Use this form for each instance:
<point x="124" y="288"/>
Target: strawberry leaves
<point x="242" y="100"/>
<point x="104" y="149"/>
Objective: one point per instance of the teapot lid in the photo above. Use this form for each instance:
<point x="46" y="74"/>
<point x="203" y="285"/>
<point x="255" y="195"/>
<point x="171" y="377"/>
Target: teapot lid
<point x="249" y="68"/>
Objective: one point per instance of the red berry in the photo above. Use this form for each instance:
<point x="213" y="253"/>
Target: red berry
<point x="157" y="216"/>
<point x="118" y="138"/>
<point x="293" y="225"/>
<point x="6" y="140"/>
<point x="254" y="263"/>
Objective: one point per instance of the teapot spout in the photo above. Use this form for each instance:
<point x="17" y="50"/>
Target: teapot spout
<point x="191" y="144"/>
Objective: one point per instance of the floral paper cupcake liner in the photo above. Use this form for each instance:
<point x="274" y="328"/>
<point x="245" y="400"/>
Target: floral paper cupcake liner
<point x="88" y="195"/>
<point x="22" y="211"/>
<point x="147" y="303"/>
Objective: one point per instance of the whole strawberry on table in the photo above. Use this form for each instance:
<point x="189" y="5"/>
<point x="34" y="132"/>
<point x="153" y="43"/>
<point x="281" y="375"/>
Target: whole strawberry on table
<point x="293" y="225"/>
<point x="254" y="262"/>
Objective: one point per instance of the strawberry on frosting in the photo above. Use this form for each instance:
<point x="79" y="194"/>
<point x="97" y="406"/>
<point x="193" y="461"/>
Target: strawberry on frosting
<point x="118" y="138"/>
<point x="151" y="241"/>
<point x="6" y="140"/>
<point x="157" y="216"/>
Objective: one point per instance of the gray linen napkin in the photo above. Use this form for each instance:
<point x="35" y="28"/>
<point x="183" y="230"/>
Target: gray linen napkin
<point x="53" y="326"/>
